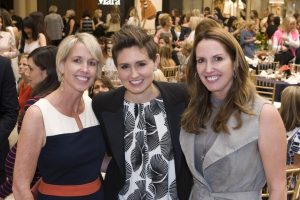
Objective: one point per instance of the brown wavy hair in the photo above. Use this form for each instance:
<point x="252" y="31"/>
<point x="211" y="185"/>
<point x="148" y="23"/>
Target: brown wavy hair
<point x="290" y="106"/>
<point x="239" y="99"/>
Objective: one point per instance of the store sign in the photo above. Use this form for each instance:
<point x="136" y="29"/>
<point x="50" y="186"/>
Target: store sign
<point x="109" y="2"/>
<point x="276" y="1"/>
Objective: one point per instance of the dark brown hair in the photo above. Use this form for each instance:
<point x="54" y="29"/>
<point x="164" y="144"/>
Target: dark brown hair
<point x="44" y="58"/>
<point x="130" y="36"/>
<point x="239" y="99"/>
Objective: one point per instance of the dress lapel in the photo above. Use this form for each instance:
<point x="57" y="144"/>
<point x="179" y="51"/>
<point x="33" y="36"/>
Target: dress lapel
<point x="115" y="134"/>
<point x="187" y="141"/>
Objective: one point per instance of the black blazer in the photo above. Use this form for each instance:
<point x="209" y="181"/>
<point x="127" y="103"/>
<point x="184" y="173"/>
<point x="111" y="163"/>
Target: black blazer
<point x="108" y="108"/>
<point x="8" y="109"/>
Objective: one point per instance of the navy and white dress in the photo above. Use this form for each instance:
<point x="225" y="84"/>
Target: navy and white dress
<point x="70" y="156"/>
<point x="149" y="158"/>
<point x="293" y="144"/>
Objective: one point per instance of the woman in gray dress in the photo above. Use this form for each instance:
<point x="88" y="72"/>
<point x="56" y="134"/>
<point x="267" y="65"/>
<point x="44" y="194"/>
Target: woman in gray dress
<point x="233" y="140"/>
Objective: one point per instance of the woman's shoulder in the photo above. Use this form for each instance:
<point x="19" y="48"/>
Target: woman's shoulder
<point x="176" y="91"/>
<point x="5" y="34"/>
<point x="107" y="100"/>
<point x="172" y="86"/>
<point x="278" y="32"/>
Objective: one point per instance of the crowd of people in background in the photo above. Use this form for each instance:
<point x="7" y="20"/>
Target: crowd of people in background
<point x="160" y="140"/>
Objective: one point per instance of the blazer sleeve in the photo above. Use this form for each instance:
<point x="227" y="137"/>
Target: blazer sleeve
<point x="8" y="99"/>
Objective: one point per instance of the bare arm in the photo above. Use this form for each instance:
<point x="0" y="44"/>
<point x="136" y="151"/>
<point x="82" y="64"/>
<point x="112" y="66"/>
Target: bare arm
<point x="72" y="24"/>
<point x="30" y="142"/>
<point x="93" y="25"/>
<point x="42" y="40"/>
<point x="17" y="36"/>
<point x="272" y="146"/>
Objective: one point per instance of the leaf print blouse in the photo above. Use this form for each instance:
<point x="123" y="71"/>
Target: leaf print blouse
<point x="149" y="158"/>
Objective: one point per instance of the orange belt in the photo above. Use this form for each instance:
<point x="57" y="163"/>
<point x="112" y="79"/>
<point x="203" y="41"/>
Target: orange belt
<point x="70" y="190"/>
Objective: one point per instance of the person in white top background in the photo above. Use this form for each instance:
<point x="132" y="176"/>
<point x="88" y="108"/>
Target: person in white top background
<point x="33" y="37"/>
<point x="8" y="38"/>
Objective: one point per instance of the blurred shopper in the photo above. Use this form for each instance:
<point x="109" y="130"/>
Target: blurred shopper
<point x="54" y="26"/>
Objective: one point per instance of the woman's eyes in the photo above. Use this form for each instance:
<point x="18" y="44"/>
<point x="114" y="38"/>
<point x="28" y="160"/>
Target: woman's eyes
<point x="77" y="60"/>
<point x="124" y="66"/>
<point x="200" y="60"/>
<point x="142" y="64"/>
<point x="93" y="63"/>
<point x="215" y="59"/>
<point x="218" y="58"/>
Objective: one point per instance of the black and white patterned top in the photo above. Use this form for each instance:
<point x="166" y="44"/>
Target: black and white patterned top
<point x="149" y="158"/>
<point x="293" y="145"/>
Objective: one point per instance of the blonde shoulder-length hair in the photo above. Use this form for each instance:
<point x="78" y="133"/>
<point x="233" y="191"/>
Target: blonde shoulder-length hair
<point x="64" y="48"/>
<point x="239" y="99"/>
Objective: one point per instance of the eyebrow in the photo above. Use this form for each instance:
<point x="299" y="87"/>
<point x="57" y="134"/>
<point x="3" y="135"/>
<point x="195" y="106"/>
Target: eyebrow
<point x="220" y="54"/>
<point x="126" y="63"/>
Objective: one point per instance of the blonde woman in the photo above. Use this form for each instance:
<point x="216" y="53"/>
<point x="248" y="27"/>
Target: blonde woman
<point x="286" y="41"/>
<point x="194" y="21"/>
<point x="165" y="22"/>
<point x="247" y="39"/>
<point x="113" y="21"/>
<point x="70" y="26"/>
<point x="99" y="24"/>
<point x="134" y="18"/>
<point x="165" y="53"/>
<point x="60" y="133"/>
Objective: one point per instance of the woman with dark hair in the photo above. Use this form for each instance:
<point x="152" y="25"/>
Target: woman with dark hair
<point x="226" y="135"/>
<point x="232" y="27"/>
<point x="255" y="18"/>
<point x="156" y="22"/>
<point x="8" y="46"/>
<point x="272" y="28"/>
<point x="102" y="84"/>
<point x="142" y="123"/>
<point x="86" y="23"/>
<point x="7" y="43"/>
<point x="7" y="20"/>
<point x="185" y="27"/>
<point x="38" y="18"/>
<point x="165" y="39"/>
<point x="43" y="79"/>
<point x="218" y="15"/>
<point x="33" y="38"/>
